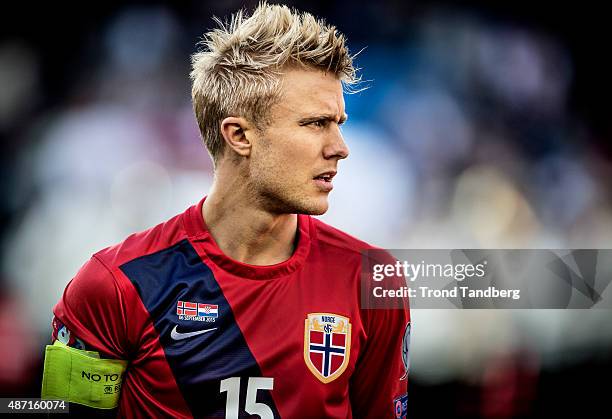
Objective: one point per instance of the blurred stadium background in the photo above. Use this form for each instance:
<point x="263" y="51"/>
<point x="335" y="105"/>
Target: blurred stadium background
<point x="487" y="125"/>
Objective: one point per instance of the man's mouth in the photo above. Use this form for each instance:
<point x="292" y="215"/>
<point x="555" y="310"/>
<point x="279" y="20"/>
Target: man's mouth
<point x="324" y="180"/>
<point x="327" y="176"/>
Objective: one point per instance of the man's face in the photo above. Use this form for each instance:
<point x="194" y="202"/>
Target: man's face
<point x="294" y="160"/>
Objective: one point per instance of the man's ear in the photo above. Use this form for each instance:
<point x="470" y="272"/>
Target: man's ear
<point x="234" y="132"/>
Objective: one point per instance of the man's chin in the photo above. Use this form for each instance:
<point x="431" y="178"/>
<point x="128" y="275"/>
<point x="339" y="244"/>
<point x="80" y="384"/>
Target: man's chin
<point x="314" y="211"/>
<point x="312" y="206"/>
<point x="309" y="205"/>
<point x="315" y="207"/>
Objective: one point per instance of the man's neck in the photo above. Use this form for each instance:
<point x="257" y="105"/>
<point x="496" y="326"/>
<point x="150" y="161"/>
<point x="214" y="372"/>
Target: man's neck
<point x="246" y="232"/>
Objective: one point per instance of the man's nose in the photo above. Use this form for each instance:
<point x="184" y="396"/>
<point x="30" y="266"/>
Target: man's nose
<point x="336" y="147"/>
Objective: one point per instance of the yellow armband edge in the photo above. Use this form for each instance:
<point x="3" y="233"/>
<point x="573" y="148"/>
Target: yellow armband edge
<point x="82" y="377"/>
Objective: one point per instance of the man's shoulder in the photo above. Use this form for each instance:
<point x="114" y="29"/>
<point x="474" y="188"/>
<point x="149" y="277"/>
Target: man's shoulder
<point x="328" y="235"/>
<point x="152" y="240"/>
<point x="331" y="236"/>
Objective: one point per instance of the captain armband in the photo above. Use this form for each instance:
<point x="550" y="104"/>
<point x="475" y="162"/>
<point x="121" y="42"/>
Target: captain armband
<point x="82" y="377"/>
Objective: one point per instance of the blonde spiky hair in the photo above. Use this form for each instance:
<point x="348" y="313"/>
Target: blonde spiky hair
<point x="237" y="73"/>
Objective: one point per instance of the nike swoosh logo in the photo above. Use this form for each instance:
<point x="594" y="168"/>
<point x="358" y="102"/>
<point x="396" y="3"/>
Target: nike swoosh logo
<point x="180" y="336"/>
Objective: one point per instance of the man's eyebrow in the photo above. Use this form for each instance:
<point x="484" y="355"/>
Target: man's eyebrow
<point x="329" y="117"/>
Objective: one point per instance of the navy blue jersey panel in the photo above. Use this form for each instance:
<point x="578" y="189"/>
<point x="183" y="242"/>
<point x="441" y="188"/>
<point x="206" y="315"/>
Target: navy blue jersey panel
<point x="196" y="326"/>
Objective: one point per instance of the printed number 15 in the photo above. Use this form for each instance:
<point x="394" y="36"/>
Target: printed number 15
<point x="232" y="386"/>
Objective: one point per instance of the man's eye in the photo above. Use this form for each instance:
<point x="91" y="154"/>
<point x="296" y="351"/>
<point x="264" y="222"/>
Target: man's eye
<point x="321" y="123"/>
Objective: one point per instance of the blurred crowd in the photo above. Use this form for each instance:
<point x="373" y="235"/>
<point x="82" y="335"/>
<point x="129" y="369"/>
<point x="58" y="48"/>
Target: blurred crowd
<point x="467" y="136"/>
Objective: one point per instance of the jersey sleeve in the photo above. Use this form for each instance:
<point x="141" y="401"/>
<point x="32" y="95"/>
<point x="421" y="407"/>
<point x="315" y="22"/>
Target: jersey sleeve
<point x="93" y="308"/>
<point x="379" y="385"/>
<point x="89" y="353"/>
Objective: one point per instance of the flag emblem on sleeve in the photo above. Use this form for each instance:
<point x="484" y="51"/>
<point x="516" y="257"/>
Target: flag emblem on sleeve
<point x="327" y="345"/>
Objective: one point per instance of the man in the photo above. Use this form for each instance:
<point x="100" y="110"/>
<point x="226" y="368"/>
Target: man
<point x="244" y="304"/>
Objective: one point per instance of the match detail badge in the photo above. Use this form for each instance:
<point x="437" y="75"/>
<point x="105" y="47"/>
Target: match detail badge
<point x="187" y="310"/>
<point x="327" y="345"/>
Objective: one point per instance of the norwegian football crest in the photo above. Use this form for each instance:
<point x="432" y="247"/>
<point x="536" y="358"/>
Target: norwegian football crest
<point x="327" y="345"/>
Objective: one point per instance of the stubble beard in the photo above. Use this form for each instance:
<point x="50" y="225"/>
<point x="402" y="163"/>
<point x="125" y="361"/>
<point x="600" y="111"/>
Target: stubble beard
<point x="278" y="198"/>
<point x="281" y="200"/>
<point x="268" y="183"/>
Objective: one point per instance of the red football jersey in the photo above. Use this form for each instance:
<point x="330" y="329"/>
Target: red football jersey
<point x="208" y="336"/>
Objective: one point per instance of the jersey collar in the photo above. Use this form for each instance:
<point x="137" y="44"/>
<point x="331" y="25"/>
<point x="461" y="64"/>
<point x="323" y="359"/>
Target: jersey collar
<point x="207" y="248"/>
